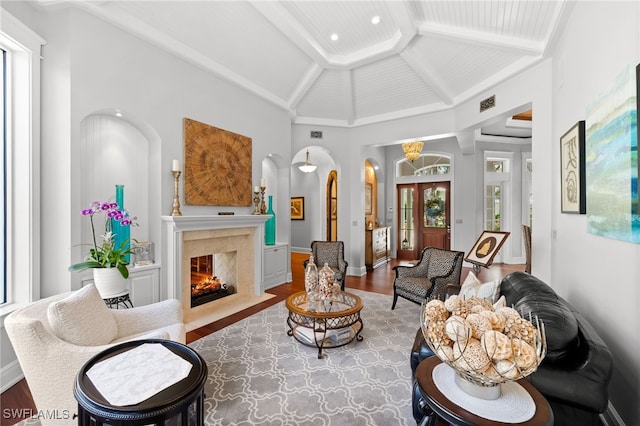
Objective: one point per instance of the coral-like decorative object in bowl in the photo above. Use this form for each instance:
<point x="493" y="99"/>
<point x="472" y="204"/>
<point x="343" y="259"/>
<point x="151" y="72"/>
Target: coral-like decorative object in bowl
<point x="486" y="346"/>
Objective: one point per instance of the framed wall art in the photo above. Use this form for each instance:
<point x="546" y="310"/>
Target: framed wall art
<point x="368" y="194"/>
<point x="297" y="208"/>
<point x="218" y="166"/>
<point x="612" y="160"/>
<point x="486" y="247"/>
<point x="572" y="173"/>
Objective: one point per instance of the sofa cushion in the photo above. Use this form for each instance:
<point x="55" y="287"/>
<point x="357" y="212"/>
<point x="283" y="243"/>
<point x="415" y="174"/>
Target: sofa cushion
<point x="472" y="286"/>
<point x="529" y="295"/>
<point x="82" y="318"/>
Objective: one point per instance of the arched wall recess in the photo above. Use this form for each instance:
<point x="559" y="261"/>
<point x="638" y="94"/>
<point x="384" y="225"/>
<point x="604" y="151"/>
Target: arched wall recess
<point x="118" y="151"/>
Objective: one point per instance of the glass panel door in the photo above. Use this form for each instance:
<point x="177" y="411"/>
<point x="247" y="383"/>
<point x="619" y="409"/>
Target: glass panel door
<point x="435" y="215"/>
<point x="406" y="222"/>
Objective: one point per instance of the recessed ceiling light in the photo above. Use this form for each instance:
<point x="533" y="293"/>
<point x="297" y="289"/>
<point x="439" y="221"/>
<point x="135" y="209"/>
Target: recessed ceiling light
<point x="118" y="114"/>
<point x="334" y="37"/>
<point x="375" y="20"/>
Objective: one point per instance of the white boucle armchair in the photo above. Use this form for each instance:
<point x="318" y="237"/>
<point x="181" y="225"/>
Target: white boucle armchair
<point x="54" y="337"/>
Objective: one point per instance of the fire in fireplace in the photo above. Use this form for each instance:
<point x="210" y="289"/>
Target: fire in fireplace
<point x="206" y="286"/>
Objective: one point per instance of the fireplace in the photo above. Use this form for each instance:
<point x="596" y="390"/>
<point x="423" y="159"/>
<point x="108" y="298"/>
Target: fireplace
<point x="212" y="277"/>
<point x="237" y="241"/>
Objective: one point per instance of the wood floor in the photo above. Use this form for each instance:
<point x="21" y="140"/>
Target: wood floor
<point x="17" y="403"/>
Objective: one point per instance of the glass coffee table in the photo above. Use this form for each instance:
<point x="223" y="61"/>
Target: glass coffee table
<point x="325" y="325"/>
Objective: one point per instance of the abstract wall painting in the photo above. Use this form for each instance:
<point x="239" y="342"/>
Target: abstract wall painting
<point x="572" y="170"/>
<point x="218" y="166"/>
<point x="612" y="161"/>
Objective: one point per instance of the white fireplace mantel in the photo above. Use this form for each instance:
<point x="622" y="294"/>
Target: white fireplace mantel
<point x="173" y="228"/>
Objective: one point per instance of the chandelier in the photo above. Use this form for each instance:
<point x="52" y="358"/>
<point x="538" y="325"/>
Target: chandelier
<point x="307" y="167"/>
<point x="412" y="150"/>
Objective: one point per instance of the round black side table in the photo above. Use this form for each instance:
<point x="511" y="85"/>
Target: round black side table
<point x="180" y="404"/>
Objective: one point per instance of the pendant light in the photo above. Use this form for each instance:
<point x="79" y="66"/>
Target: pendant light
<point x="412" y="150"/>
<point x="307" y="167"/>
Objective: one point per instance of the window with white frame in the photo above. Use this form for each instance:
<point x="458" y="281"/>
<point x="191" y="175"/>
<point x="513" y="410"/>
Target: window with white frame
<point x="3" y="180"/>
<point x="497" y="180"/>
<point x="21" y="161"/>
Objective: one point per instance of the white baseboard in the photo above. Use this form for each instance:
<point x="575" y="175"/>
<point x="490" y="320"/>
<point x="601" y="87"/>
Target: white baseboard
<point x="10" y="375"/>
<point x="304" y="250"/>
<point x="358" y="272"/>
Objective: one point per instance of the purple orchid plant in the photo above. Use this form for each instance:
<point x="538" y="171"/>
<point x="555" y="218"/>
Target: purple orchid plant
<point x="106" y="254"/>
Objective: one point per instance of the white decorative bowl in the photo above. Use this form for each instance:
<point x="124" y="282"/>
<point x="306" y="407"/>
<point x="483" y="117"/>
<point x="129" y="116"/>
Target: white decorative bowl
<point x="484" y="354"/>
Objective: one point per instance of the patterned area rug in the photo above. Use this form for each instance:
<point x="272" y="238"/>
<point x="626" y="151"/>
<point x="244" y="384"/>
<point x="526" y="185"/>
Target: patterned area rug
<point x="258" y="375"/>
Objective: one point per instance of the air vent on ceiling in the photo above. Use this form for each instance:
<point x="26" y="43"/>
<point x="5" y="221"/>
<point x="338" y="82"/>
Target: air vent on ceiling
<point x="316" y="134"/>
<point x="488" y="103"/>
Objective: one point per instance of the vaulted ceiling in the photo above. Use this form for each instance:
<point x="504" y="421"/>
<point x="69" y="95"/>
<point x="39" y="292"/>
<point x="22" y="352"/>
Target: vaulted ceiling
<point x="422" y="56"/>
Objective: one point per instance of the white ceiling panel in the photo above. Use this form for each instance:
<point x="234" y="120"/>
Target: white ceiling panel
<point x="463" y="65"/>
<point x="350" y="20"/>
<point x="389" y="85"/>
<point x="423" y="55"/>
<point x="325" y="99"/>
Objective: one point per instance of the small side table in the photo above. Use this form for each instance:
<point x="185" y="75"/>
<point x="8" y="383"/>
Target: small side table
<point x="118" y="300"/>
<point x="181" y="403"/>
<point x="443" y="408"/>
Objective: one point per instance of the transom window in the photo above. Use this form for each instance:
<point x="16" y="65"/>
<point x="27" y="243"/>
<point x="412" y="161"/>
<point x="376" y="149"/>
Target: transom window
<point x="425" y="165"/>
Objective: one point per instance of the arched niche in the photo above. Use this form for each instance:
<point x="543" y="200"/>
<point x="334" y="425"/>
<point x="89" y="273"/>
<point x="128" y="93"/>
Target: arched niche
<point x="118" y="149"/>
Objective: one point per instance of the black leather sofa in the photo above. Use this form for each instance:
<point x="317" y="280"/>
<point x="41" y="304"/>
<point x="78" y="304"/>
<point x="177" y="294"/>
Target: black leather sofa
<point x="575" y="374"/>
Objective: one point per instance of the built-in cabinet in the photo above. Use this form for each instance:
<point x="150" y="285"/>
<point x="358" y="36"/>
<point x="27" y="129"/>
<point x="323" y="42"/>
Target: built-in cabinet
<point x="275" y="265"/>
<point x="144" y="284"/>
<point x="377" y="247"/>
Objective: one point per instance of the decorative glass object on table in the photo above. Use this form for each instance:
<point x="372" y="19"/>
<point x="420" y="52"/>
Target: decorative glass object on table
<point x="311" y="283"/>
<point x="485" y="346"/>
<point x="328" y="289"/>
<point x="142" y="253"/>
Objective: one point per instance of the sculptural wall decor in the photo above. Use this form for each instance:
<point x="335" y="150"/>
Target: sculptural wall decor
<point x="218" y="166"/>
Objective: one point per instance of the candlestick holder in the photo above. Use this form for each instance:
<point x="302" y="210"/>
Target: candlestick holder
<point x="176" y="194"/>
<point x="263" y="206"/>
<point x="256" y="202"/>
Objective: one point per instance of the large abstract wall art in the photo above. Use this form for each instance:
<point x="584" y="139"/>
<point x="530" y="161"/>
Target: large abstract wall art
<point x="217" y="166"/>
<point x="612" y="161"/>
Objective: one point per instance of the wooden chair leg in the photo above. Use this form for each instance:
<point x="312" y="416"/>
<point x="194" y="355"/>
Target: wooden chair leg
<point x="395" y="299"/>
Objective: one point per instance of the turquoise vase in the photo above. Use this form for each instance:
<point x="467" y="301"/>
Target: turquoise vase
<point x="270" y="225"/>
<point x="122" y="234"/>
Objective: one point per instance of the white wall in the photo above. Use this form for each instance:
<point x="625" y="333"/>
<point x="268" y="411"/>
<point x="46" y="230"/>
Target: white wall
<point x="599" y="276"/>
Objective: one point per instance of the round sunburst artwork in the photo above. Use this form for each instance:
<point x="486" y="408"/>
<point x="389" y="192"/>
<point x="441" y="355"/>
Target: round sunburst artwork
<point x="217" y="166"/>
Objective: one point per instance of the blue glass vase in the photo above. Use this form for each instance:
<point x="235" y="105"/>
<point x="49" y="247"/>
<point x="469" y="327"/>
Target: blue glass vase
<point x="270" y="225"/>
<point x="122" y="234"/>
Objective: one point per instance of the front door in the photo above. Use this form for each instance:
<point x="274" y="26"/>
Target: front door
<point x="434" y="205"/>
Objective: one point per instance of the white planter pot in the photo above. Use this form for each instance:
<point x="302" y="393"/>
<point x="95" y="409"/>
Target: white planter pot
<point x="109" y="282"/>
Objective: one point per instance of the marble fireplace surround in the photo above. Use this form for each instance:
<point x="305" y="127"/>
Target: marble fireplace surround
<point x="190" y="236"/>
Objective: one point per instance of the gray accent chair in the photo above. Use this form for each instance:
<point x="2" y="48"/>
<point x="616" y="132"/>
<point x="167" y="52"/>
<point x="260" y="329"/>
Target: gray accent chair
<point x="331" y="253"/>
<point x="434" y="276"/>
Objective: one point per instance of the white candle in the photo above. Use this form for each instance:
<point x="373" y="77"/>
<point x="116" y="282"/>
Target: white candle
<point x="176" y="166"/>
<point x="263" y="183"/>
<point x="256" y="189"/>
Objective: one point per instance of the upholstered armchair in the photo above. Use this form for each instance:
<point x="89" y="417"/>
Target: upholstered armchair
<point x="54" y="337"/>
<point x="435" y="275"/>
<point x="331" y="253"/>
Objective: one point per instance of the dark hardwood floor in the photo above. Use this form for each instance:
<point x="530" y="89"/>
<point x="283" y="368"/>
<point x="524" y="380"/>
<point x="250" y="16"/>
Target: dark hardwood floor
<point x="17" y="400"/>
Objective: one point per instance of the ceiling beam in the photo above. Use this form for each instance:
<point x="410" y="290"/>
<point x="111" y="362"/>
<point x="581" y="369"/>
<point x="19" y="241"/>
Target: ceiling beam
<point x="483" y="39"/>
<point x="428" y="74"/>
<point x="347" y="96"/>
<point x="305" y="85"/>
<point x="281" y="19"/>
